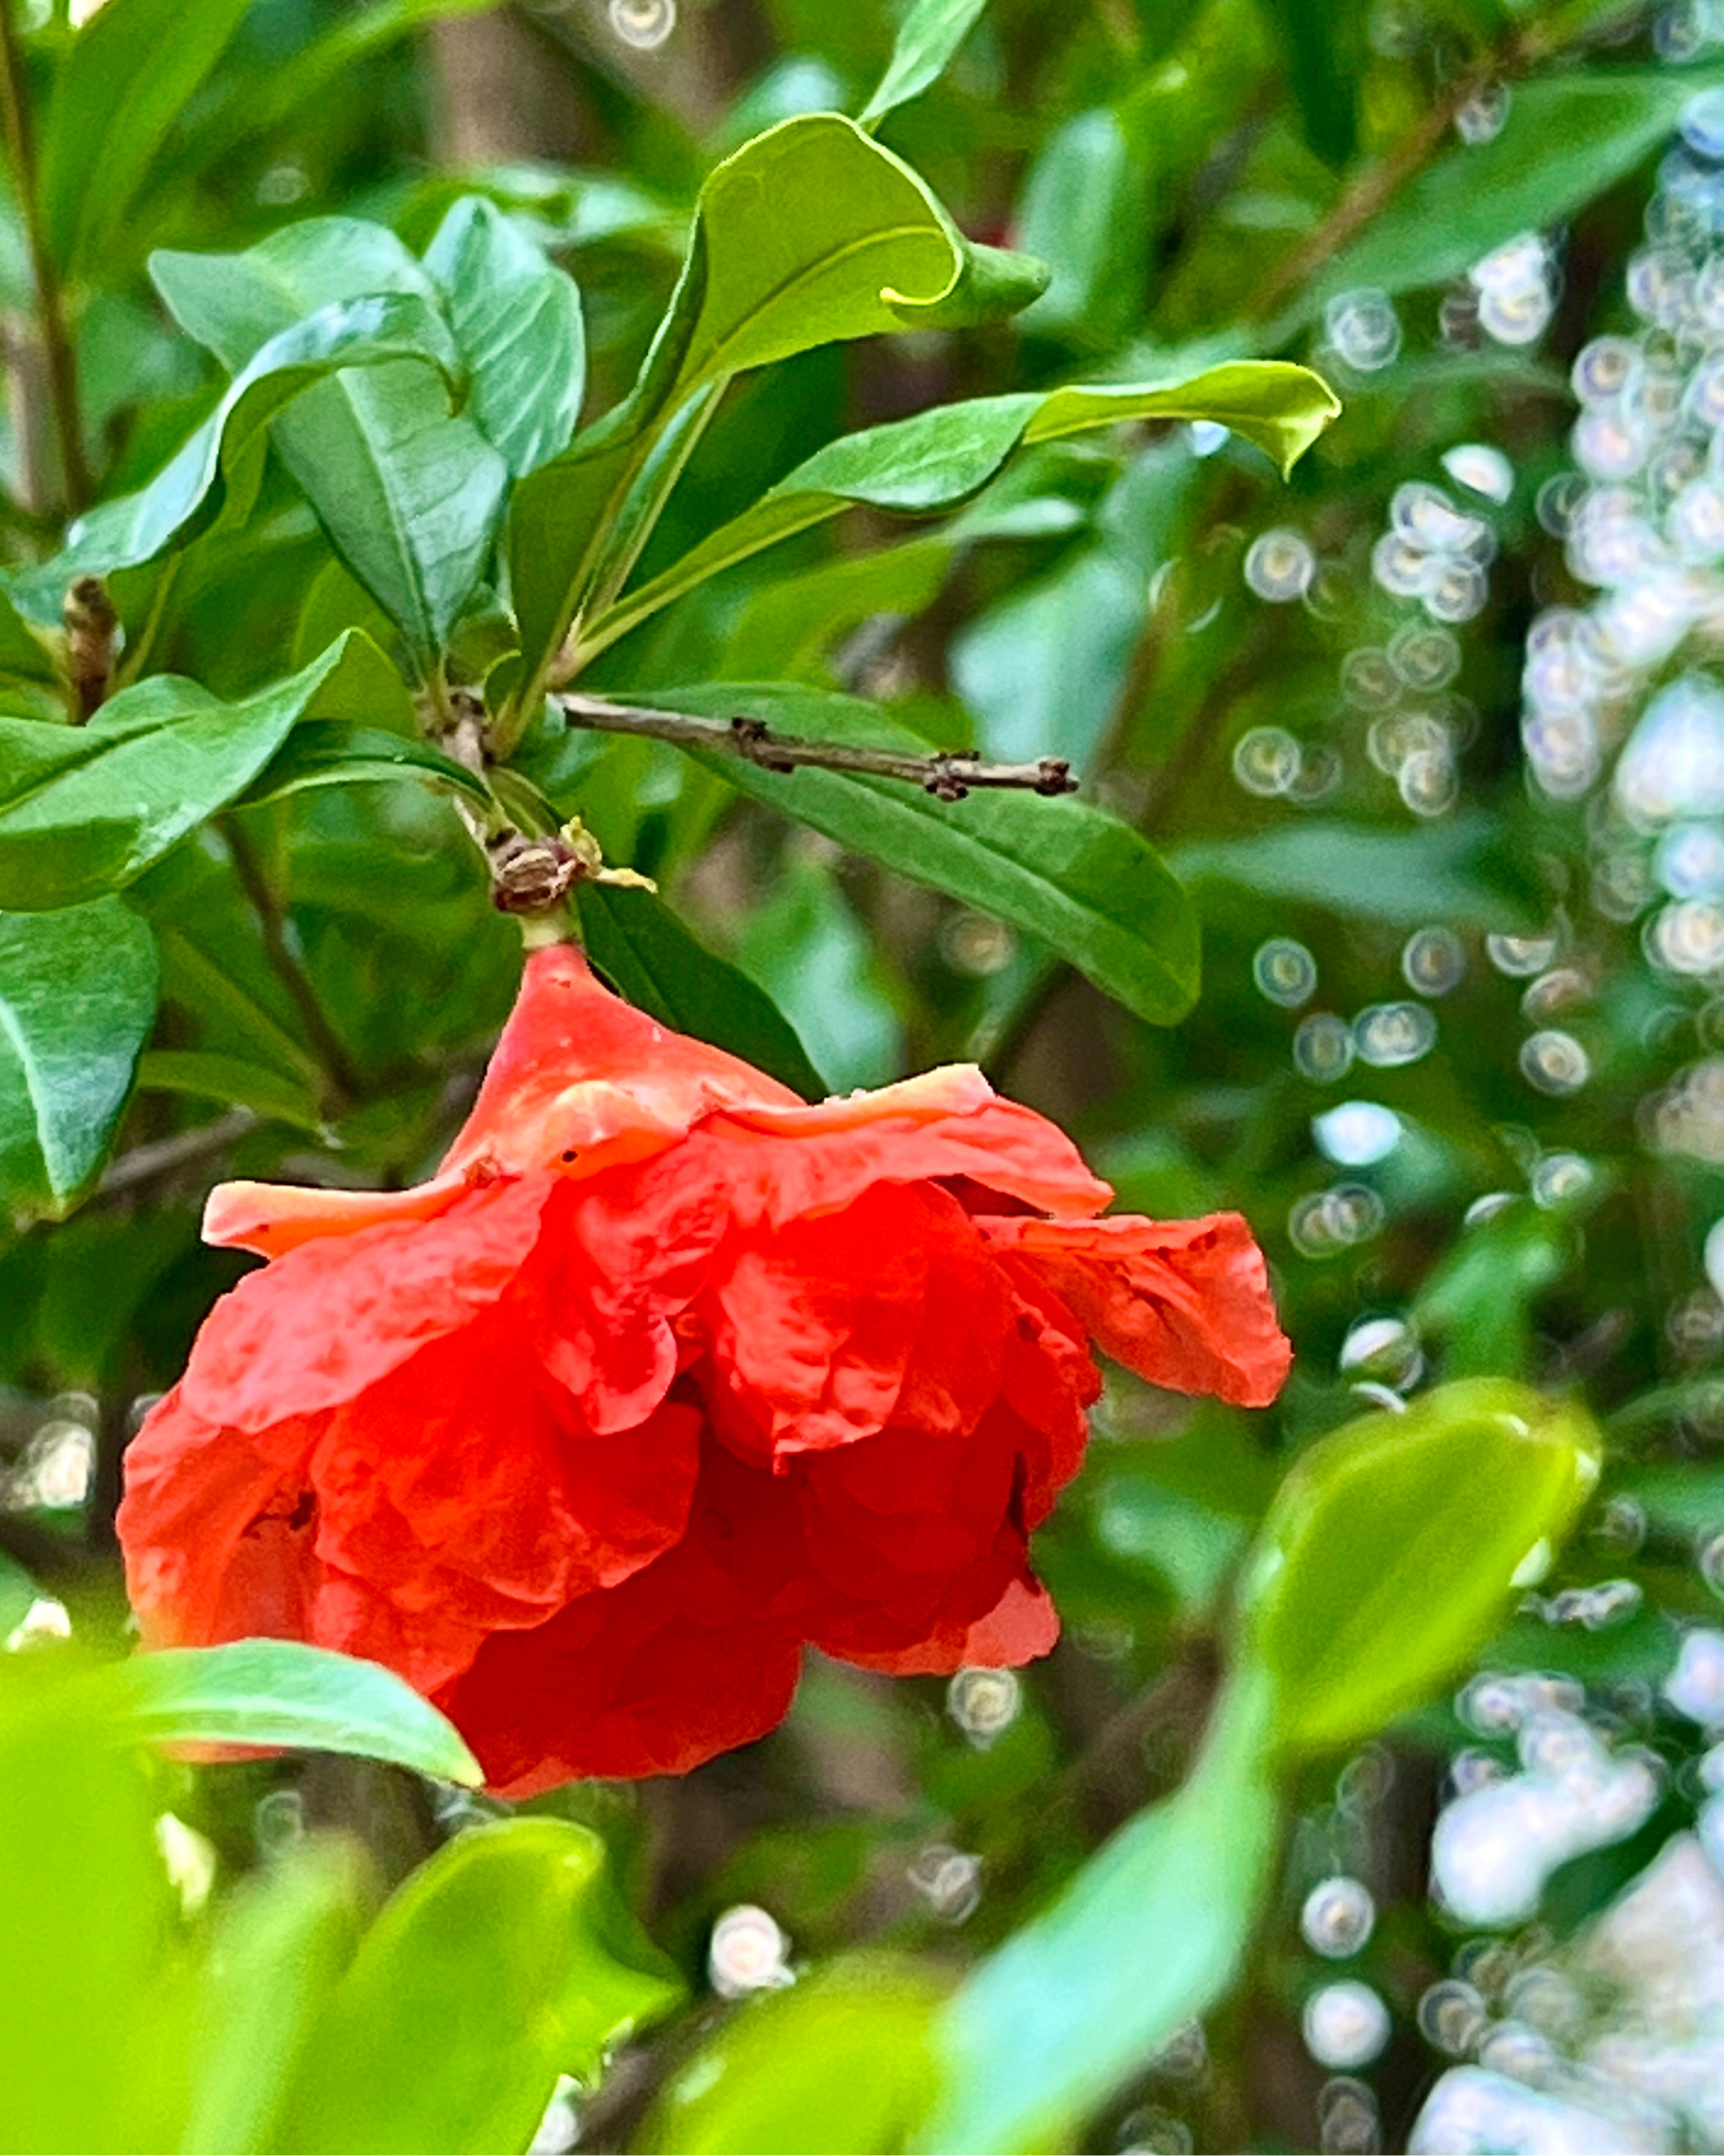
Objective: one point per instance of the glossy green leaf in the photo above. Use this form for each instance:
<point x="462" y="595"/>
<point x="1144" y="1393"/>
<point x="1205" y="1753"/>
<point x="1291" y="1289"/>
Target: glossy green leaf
<point x="1463" y="870"/>
<point x="1085" y="210"/>
<point x="927" y="40"/>
<point x="1395" y="1545"/>
<point x="1150" y="1933"/>
<point x="233" y="1082"/>
<point x="180" y="500"/>
<point x="77" y="998"/>
<point x="1566" y="139"/>
<point x="84" y="810"/>
<point x="841" y="2065"/>
<point x="517" y="319"/>
<point x="662" y="969"/>
<point x="283" y="1692"/>
<point x="329" y="754"/>
<point x="810" y="234"/>
<point x="85" y="1899"/>
<point x="932" y="462"/>
<point x="280" y="1947"/>
<point x="1059" y="870"/>
<point x="410" y="494"/>
<point x="132" y="70"/>
<point x="263" y="101"/>
<point x="501" y="1964"/>
<point x="1322" y="40"/>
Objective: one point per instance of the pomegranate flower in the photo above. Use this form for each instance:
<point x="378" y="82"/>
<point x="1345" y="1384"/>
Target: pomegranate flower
<point x="664" y="1377"/>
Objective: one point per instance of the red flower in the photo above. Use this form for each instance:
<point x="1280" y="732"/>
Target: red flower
<point x="664" y="1377"/>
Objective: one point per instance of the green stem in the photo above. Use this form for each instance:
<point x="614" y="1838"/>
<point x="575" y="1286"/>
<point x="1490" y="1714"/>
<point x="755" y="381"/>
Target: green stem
<point x="696" y="418"/>
<point x="18" y="129"/>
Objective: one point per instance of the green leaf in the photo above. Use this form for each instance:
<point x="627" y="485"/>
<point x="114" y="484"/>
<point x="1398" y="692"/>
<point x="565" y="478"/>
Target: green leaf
<point x="270" y="1692"/>
<point x="180" y="501"/>
<point x="77" y="998"/>
<point x="1395" y="1546"/>
<point x="664" y="970"/>
<point x="84" y="810"/>
<point x="842" y="2064"/>
<point x="1061" y="870"/>
<point x="932" y="462"/>
<point x="130" y="73"/>
<point x="1566" y="139"/>
<point x="1463" y="871"/>
<point x="230" y="1080"/>
<point x="1150" y="1933"/>
<point x="329" y="754"/>
<point x="81" y="1880"/>
<point x="280" y="1947"/>
<point x="499" y="1964"/>
<point x="1085" y="209"/>
<point x="927" y="39"/>
<point x="810" y="234"/>
<point x="261" y="101"/>
<point x="517" y="319"/>
<point x="1322" y="40"/>
<point x="410" y="495"/>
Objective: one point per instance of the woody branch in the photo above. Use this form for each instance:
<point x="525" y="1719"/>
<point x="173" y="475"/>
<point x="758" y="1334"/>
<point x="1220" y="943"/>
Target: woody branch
<point x="947" y="774"/>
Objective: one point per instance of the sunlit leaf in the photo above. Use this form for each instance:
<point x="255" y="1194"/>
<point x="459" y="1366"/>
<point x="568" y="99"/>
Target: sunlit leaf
<point x="501" y="1964"/>
<point x="1395" y="1545"/>
<point x="810" y="234"/>
<point x="928" y="37"/>
<point x="931" y="463"/>
<point x="842" y="2063"/>
<point x="1149" y="1935"/>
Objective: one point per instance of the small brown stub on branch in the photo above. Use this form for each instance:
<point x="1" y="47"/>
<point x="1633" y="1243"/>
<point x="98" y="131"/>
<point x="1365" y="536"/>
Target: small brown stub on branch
<point x="92" y="635"/>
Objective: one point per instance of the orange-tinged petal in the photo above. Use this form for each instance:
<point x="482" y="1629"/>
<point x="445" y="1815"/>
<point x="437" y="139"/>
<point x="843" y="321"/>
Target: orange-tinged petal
<point x="947" y="1126"/>
<point x="577" y="1068"/>
<point x="273" y="1218"/>
<point x="314" y="1328"/>
<point x="1184" y="1304"/>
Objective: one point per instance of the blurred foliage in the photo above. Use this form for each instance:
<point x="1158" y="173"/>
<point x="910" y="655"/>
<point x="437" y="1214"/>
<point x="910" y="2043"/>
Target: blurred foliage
<point x="1403" y="793"/>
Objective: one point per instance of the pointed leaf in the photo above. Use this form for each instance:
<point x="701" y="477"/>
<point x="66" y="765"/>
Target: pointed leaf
<point x="180" y="500"/>
<point x="517" y="319"/>
<point x="410" y="495"/>
<point x="501" y="1963"/>
<point x="84" y="810"/>
<point x="841" y="2062"/>
<point x="810" y="234"/>
<point x="927" y="39"/>
<point x="271" y="1692"/>
<point x="132" y="70"/>
<point x="1566" y="139"/>
<point x="1150" y="1933"/>
<point x="77" y="998"/>
<point x="281" y="1945"/>
<point x="329" y="754"/>
<point x="932" y="462"/>
<point x="663" y="969"/>
<point x="1444" y="1509"/>
<point x="228" y="1079"/>
<point x="1059" y="870"/>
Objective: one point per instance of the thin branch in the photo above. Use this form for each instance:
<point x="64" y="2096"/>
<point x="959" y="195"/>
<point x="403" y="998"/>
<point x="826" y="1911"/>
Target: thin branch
<point x="1377" y="186"/>
<point x="166" y="1156"/>
<point x="18" y="128"/>
<point x="341" y="1077"/>
<point x="948" y="775"/>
